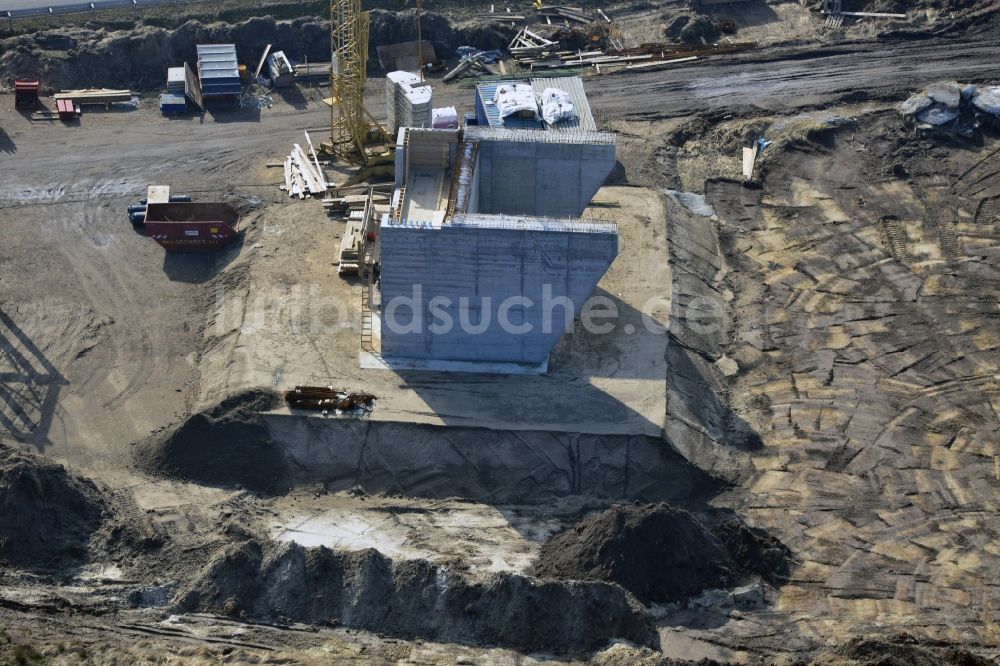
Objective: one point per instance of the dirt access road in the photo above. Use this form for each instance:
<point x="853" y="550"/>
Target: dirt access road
<point x="785" y="79"/>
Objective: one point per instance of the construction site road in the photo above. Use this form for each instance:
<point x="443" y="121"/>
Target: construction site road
<point x="777" y="80"/>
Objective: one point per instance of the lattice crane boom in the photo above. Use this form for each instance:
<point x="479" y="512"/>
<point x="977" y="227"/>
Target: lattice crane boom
<point x="348" y="72"/>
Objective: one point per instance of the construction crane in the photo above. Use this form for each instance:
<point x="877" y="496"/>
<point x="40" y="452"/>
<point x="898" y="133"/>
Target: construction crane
<point x="350" y="130"/>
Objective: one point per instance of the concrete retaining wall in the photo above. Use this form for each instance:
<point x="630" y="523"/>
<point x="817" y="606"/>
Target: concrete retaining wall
<point x="486" y="260"/>
<point x="521" y="177"/>
<point x="523" y="467"/>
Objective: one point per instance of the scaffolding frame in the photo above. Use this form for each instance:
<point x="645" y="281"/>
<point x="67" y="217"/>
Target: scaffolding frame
<point x="348" y="73"/>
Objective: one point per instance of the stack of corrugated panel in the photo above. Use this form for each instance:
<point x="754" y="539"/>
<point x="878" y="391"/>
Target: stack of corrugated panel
<point x="173" y="101"/>
<point x="218" y="70"/>
<point x="409" y="101"/>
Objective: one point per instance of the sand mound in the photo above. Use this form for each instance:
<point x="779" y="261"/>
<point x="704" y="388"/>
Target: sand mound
<point x="366" y="590"/>
<point x="228" y="446"/>
<point x="47" y="515"/>
<point x="660" y="553"/>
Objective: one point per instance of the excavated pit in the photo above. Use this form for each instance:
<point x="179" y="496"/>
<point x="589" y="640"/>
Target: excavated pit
<point x="236" y="445"/>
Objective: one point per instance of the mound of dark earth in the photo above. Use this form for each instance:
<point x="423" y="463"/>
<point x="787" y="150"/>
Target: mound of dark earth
<point x="137" y="57"/>
<point x="228" y="445"/>
<point x="47" y="515"/>
<point x="660" y="553"/>
<point x="414" y="599"/>
<point x="901" y="650"/>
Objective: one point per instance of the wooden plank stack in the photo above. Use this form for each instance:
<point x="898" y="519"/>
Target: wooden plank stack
<point x="95" y="96"/>
<point x="537" y="53"/>
<point x="528" y="48"/>
<point x="303" y="174"/>
<point x="351" y="207"/>
<point x="350" y="249"/>
<point x="567" y="14"/>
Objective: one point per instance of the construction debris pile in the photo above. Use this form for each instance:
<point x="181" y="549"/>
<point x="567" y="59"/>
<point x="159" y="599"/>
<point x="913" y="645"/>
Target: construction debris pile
<point x="327" y="398"/>
<point x="953" y="106"/>
<point x="476" y="62"/>
<point x="534" y="51"/>
<point x="256" y="97"/>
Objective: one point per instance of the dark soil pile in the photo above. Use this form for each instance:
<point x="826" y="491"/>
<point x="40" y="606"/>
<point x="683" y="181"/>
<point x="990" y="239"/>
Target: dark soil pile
<point x="47" y="515"/>
<point x="902" y="650"/>
<point x="754" y="550"/>
<point x="228" y="446"/>
<point x="138" y="58"/>
<point x="410" y="599"/>
<point x="660" y="553"/>
<point x="394" y="27"/>
<point x="699" y="30"/>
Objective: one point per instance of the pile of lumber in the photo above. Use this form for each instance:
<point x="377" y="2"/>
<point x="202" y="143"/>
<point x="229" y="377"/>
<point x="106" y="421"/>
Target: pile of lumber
<point x="325" y="398"/>
<point x="475" y="65"/>
<point x="567" y="14"/>
<point x="502" y="17"/>
<point x="350" y="249"/>
<point x="351" y="207"/>
<point x="95" y="96"/>
<point x="303" y="174"/>
<point x="646" y="56"/>
<point x="528" y="47"/>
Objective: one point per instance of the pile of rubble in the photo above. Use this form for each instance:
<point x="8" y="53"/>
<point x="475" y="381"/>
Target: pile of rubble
<point x="952" y="105"/>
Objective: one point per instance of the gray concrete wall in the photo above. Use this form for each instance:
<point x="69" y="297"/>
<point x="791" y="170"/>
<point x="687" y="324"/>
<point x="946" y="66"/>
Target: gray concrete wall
<point x="549" y="174"/>
<point x="487" y="260"/>
<point x="502" y="467"/>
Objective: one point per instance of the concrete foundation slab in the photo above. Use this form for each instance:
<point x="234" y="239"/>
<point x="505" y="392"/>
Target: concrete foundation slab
<point x="284" y="317"/>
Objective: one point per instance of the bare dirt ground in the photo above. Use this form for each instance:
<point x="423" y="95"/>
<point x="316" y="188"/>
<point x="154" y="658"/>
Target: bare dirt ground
<point x="857" y="280"/>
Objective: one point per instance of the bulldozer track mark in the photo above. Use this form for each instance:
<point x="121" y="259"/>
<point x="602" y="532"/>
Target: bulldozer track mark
<point x="981" y="176"/>
<point x="988" y="211"/>
<point x="894" y="238"/>
<point x="948" y="240"/>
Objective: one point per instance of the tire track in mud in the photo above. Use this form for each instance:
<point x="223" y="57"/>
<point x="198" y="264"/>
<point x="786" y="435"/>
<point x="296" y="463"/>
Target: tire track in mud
<point x="106" y="290"/>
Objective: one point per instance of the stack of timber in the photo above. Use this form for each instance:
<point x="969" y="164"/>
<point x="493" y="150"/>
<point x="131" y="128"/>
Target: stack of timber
<point x="350" y="249"/>
<point x="95" y="96"/>
<point x="502" y="17"/>
<point x="303" y="174"/>
<point x="567" y="14"/>
<point x="357" y="247"/>
<point x="528" y="47"/>
<point x="351" y="207"/>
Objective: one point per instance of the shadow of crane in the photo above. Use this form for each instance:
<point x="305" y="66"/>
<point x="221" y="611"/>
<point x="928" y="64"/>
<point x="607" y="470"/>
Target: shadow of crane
<point x="29" y="386"/>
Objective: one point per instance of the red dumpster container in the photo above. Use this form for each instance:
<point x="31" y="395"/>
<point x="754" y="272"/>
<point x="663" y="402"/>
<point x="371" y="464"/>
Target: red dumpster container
<point x="192" y="227"/>
<point x="26" y="94"/>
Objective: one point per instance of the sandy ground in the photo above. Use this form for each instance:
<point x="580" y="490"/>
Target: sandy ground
<point x="106" y="340"/>
<point x="293" y="321"/>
